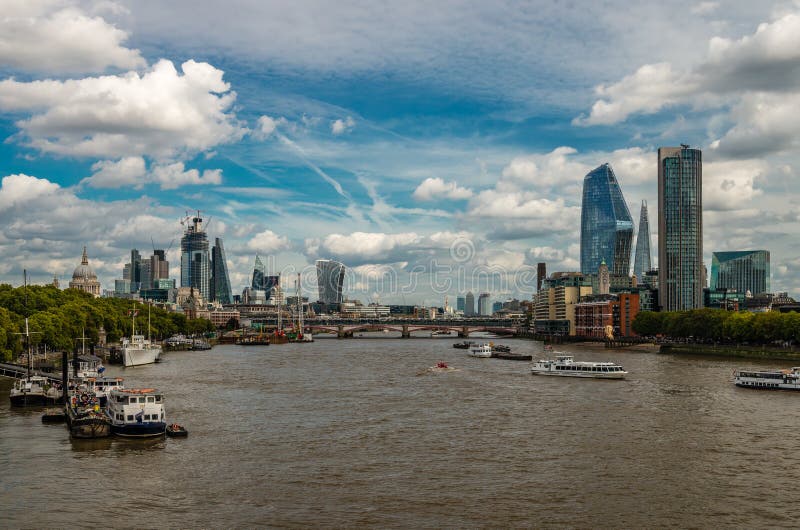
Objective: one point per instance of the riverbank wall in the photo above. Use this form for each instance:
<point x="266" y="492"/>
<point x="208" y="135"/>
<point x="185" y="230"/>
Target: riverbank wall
<point x="733" y="350"/>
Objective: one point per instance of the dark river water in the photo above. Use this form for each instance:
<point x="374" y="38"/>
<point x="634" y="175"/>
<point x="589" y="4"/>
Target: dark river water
<point x="355" y="433"/>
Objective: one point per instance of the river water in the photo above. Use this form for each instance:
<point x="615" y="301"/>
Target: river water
<point x="349" y="433"/>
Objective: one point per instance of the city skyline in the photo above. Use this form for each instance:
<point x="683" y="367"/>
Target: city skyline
<point x="404" y="155"/>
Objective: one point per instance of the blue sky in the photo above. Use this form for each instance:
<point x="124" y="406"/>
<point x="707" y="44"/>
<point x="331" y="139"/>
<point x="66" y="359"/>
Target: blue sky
<point x="437" y="148"/>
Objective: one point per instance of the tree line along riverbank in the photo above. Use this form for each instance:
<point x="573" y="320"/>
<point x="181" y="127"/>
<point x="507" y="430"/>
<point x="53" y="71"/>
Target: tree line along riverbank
<point x="56" y="318"/>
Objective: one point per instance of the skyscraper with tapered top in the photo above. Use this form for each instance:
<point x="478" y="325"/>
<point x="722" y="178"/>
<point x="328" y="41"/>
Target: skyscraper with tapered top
<point x="606" y="224"/>
<point x="194" y="256"/>
<point x="681" y="275"/>
<point x="642" y="262"/>
<point x="220" y="280"/>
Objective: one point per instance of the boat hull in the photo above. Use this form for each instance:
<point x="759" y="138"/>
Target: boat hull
<point x="94" y="427"/>
<point x="588" y="375"/>
<point x="766" y="386"/>
<point x="138" y="357"/>
<point x="139" y="430"/>
<point x="32" y="400"/>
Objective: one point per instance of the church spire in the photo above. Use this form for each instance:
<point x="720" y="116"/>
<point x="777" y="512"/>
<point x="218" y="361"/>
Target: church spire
<point x="84" y="258"/>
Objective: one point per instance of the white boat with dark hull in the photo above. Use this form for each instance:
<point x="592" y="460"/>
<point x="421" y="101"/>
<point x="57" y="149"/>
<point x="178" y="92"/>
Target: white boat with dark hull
<point x="136" y="412"/>
<point x="565" y="366"/>
<point x="483" y="351"/>
<point x="34" y="391"/>
<point x="768" y="380"/>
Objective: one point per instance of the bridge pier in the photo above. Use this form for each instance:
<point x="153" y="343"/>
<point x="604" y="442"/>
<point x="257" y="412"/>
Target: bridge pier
<point x="405" y="333"/>
<point x="463" y="334"/>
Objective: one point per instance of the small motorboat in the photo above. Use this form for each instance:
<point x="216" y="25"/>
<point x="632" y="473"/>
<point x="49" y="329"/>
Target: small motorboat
<point x="462" y="345"/>
<point x="501" y="348"/>
<point x="177" y="431"/>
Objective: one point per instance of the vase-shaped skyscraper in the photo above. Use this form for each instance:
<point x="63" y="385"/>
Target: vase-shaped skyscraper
<point x="642" y="262"/>
<point x="330" y="278"/>
<point x="220" y="280"/>
<point x="606" y="224"/>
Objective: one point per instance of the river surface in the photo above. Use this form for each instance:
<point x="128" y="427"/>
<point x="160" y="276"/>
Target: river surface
<point x="356" y="433"/>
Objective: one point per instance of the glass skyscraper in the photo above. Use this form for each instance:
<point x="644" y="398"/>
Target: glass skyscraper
<point x="743" y="271"/>
<point x="220" y="280"/>
<point x="469" y="304"/>
<point x="680" y="228"/>
<point x="606" y="224"/>
<point x="642" y="262"/>
<point x="194" y="257"/>
<point x="330" y="279"/>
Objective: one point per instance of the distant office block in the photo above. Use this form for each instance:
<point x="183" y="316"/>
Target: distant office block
<point x="743" y="271"/>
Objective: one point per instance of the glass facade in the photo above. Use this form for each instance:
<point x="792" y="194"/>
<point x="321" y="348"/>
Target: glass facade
<point x="743" y="271"/>
<point x="220" y="280"/>
<point x="194" y="258"/>
<point x="469" y="305"/>
<point x="330" y="279"/>
<point x="259" y="272"/>
<point x="606" y="224"/>
<point x="642" y="262"/>
<point x="680" y="228"/>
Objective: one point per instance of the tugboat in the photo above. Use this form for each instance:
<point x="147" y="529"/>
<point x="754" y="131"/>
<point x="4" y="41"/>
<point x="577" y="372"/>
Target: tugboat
<point x="136" y="412"/>
<point x="177" y="431"/>
<point x="85" y="419"/>
<point x="462" y="345"/>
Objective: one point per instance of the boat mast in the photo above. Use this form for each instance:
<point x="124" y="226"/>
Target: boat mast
<point x="299" y="309"/>
<point x="27" y="331"/>
<point x="280" y="315"/>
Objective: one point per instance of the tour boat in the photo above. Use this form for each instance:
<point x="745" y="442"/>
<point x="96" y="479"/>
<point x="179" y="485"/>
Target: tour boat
<point x="481" y="350"/>
<point x="85" y="419"/>
<point x="136" y="412"/>
<point x="768" y="380"/>
<point x="565" y="366"/>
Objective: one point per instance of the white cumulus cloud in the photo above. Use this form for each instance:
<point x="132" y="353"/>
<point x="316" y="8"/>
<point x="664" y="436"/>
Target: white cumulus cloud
<point x="434" y="188"/>
<point x="162" y="113"/>
<point x="341" y="126"/>
<point x="267" y="242"/>
<point x="57" y="37"/>
<point x="128" y="171"/>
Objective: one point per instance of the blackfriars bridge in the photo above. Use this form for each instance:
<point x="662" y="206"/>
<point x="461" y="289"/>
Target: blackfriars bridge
<point x="344" y="328"/>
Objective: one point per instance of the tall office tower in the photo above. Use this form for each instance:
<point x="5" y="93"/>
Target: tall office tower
<point x="469" y="304"/>
<point x="259" y="273"/>
<point x="743" y="271"/>
<point x="194" y="256"/>
<point x="330" y="278"/>
<point x="680" y="228"/>
<point x="126" y="275"/>
<point x="136" y="270"/>
<point x="146" y="275"/>
<point x="484" y="304"/>
<point x="641" y="262"/>
<point x="220" y="280"/>
<point x="606" y="224"/>
<point x="460" y="303"/>
<point x="159" y="266"/>
<point x="541" y="274"/>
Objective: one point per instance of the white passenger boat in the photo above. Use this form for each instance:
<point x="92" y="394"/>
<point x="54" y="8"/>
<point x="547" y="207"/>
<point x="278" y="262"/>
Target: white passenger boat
<point x="565" y="366"/>
<point x="480" y="350"/>
<point x="768" y="380"/>
<point x="136" y="412"/>
<point x="102" y="386"/>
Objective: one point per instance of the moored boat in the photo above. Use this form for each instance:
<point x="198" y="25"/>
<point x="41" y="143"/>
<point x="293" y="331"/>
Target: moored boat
<point x="33" y="391"/>
<point x="480" y="350"/>
<point x="565" y="366"/>
<point x="85" y="418"/>
<point x="508" y="356"/>
<point x="788" y="379"/>
<point x="462" y="345"/>
<point x="102" y="386"/>
<point x="136" y="412"/>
